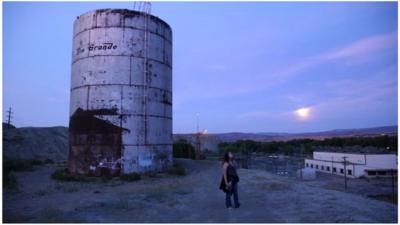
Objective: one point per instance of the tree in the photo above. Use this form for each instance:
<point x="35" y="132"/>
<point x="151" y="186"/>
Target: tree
<point x="183" y="149"/>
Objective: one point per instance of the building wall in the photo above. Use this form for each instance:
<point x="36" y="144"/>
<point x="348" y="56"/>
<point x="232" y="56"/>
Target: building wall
<point x="357" y="163"/>
<point x="338" y="157"/>
<point x="388" y="161"/>
<point x="111" y="69"/>
<point x="324" y="165"/>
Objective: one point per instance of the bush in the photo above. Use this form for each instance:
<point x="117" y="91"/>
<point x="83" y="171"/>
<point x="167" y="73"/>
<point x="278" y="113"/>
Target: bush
<point x="48" y="161"/>
<point x="20" y="164"/>
<point x="152" y="174"/>
<point x="384" y="143"/>
<point x="65" y="175"/>
<point x="177" y="169"/>
<point x="9" y="180"/>
<point x="130" y="177"/>
<point x="183" y="149"/>
<point x="16" y="165"/>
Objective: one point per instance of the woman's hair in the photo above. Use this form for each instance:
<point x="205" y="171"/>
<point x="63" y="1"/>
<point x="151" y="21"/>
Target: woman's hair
<point x="226" y="157"/>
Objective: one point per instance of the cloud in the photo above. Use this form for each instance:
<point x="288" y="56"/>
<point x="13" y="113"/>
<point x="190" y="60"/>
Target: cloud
<point x="257" y="114"/>
<point x="357" y="95"/>
<point x="364" y="47"/>
<point x="267" y="115"/>
<point x="221" y="81"/>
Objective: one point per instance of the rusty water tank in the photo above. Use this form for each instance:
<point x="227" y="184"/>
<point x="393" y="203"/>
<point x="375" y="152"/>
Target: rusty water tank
<point x="121" y="93"/>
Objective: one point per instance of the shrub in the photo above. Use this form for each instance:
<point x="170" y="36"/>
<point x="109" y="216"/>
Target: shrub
<point x="20" y="164"/>
<point x="152" y="174"/>
<point x="9" y="180"/>
<point x="130" y="177"/>
<point x="48" y="161"/>
<point x="177" y="169"/>
<point x="16" y="165"/>
<point x="183" y="149"/>
<point x="65" y="175"/>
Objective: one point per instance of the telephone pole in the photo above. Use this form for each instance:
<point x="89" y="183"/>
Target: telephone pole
<point x="198" y="144"/>
<point x="9" y="117"/>
<point x="345" y="177"/>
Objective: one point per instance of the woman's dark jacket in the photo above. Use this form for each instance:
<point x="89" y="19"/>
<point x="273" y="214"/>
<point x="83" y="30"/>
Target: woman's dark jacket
<point x="231" y="176"/>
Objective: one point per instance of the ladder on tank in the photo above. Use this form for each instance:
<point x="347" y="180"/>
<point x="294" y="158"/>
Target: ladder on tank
<point x="145" y="8"/>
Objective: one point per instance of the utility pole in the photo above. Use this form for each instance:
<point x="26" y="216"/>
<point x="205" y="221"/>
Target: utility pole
<point x="198" y="144"/>
<point x="345" y="177"/>
<point x="392" y="176"/>
<point x="9" y="117"/>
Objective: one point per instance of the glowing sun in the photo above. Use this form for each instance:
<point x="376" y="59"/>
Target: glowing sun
<point x="303" y="113"/>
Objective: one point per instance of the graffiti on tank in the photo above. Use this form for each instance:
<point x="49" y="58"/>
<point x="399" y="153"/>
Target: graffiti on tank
<point x="145" y="159"/>
<point x="80" y="50"/>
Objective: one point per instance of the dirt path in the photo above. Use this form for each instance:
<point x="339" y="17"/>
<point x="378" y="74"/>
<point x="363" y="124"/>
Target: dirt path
<point x="265" y="198"/>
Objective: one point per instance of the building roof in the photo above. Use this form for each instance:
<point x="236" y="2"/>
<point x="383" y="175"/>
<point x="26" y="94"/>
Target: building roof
<point x="357" y="153"/>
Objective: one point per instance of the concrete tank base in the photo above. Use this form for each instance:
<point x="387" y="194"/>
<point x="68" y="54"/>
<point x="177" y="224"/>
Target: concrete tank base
<point x="121" y="93"/>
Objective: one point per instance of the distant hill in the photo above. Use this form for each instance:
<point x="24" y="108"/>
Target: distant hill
<point x="36" y="143"/>
<point x="52" y="142"/>
<point x="269" y="136"/>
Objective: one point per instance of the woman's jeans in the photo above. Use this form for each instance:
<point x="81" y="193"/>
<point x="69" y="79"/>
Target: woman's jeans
<point x="232" y="191"/>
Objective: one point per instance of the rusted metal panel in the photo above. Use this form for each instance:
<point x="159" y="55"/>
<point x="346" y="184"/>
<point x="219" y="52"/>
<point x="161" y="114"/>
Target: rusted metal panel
<point x="132" y="100"/>
<point x="160" y="75"/>
<point x="156" y="49"/>
<point x="101" y="70"/>
<point x="158" y="128"/>
<point x="107" y="19"/>
<point x="168" y="53"/>
<point x="121" y="18"/>
<point x="115" y="87"/>
<point x="78" y="99"/>
<point x="160" y="103"/>
<point x="137" y="132"/>
<point x="137" y="68"/>
<point x="105" y="97"/>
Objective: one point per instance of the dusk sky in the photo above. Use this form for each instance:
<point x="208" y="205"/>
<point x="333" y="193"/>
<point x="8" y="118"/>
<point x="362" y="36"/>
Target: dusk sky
<point x="243" y="67"/>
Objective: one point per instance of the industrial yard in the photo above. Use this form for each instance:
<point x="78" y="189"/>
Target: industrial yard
<point x="151" y="101"/>
<point x="192" y="198"/>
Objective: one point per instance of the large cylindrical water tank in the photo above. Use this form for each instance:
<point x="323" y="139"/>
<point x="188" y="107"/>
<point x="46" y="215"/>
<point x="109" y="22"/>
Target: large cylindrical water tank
<point x="121" y="93"/>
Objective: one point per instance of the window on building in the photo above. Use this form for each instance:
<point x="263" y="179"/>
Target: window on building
<point x="322" y="167"/>
<point x="316" y="166"/>
<point x="334" y="169"/>
<point x="382" y="173"/>
<point x="312" y="166"/>
<point x="341" y="170"/>
<point x="306" y="164"/>
<point x="371" y="173"/>
<point x="328" y="168"/>
<point x="349" y="172"/>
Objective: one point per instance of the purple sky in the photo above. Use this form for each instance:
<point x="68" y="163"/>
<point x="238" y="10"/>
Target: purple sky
<point x="245" y="67"/>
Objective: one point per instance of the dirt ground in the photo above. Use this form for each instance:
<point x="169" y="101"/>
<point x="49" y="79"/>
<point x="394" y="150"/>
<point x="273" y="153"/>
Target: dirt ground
<point x="264" y="197"/>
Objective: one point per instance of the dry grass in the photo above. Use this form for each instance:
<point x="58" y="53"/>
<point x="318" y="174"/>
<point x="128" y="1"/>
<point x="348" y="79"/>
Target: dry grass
<point x="274" y="186"/>
<point x="386" y="198"/>
<point x="67" y="188"/>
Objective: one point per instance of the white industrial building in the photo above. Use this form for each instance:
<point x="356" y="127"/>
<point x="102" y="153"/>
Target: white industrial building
<point x="357" y="164"/>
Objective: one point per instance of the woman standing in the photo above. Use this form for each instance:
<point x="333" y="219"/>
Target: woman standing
<point x="229" y="182"/>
